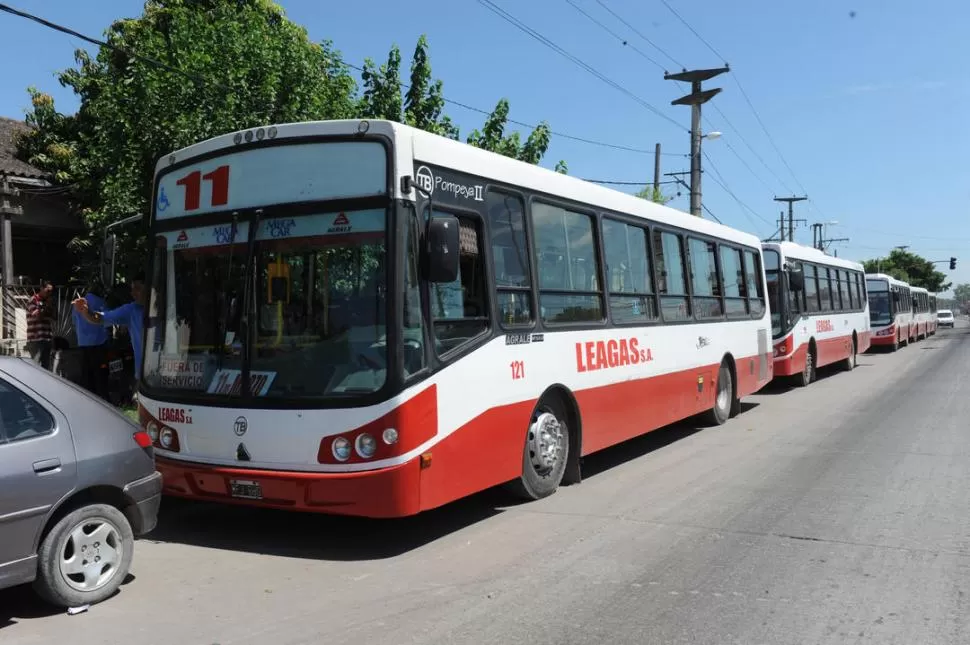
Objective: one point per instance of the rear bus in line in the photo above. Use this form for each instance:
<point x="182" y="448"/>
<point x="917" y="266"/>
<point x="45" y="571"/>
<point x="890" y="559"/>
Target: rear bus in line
<point x="933" y="324"/>
<point x="890" y="310"/>
<point x="362" y="318"/>
<point x="819" y="310"/>
<point x="921" y="312"/>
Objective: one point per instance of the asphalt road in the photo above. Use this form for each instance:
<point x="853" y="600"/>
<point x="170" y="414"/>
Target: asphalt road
<point x="832" y="514"/>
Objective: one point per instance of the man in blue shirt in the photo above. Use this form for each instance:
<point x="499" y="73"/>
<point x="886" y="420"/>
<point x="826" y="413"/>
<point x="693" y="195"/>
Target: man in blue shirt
<point x="91" y="339"/>
<point x="131" y="315"/>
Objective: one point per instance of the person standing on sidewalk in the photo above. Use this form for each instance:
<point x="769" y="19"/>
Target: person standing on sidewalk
<point x="91" y="338"/>
<point x="130" y="315"/>
<point x="40" y="325"/>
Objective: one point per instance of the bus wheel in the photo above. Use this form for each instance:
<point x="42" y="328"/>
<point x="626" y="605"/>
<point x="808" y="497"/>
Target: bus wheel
<point x="808" y="374"/>
<point x="546" y="452"/>
<point x="849" y="363"/>
<point x="724" y="397"/>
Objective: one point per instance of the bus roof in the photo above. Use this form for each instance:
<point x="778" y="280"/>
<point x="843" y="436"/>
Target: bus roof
<point x="919" y="289"/>
<point x="888" y="278"/>
<point x="811" y="254"/>
<point x="425" y="147"/>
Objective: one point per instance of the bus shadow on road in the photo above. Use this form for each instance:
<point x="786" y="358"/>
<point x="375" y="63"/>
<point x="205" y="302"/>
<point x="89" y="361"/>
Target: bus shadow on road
<point x="605" y="460"/>
<point x="316" y="536"/>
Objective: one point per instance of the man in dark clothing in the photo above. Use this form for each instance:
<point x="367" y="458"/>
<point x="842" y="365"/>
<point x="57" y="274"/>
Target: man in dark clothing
<point x="92" y="338"/>
<point x="40" y="325"/>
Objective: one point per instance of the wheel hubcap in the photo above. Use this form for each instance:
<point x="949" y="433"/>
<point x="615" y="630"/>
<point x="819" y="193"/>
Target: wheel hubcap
<point x="91" y="554"/>
<point x="545" y="442"/>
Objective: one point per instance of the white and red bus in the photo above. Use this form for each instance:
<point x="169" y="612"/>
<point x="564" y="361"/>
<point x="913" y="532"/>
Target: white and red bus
<point x="362" y="318"/>
<point x="931" y="326"/>
<point x="921" y="312"/>
<point x="890" y="310"/>
<point x="819" y="311"/>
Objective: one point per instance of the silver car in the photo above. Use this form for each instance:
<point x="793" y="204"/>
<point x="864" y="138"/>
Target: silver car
<point x="77" y="484"/>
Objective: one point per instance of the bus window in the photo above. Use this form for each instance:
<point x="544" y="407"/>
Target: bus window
<point x="844" y="291"/>
<point x="569" y="289"/>
<point x="733" y="276"/>
<point x="668" y="257"/>
<point x="795" y="298"/>
<point x="704" y="280"/>
<point x="825" y="288"/>
<point x="628" y="273"/>
<point x="459" y="310"/>
<point x="510" y="255"/>
<point x="752" y="273"/>
<point x="811" y="289"/>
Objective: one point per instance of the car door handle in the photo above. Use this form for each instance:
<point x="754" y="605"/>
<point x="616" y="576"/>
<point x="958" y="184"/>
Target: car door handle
<point x="46" y="465"/>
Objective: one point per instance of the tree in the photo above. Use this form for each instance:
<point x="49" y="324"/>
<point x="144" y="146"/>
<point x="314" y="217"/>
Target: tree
<point x="244" y="64"/>
<point x="911" y="268"/>
<point x="654" y="194"/>
<point x="421" y="107"/>
<point x="492" y="137"/>
<point x="961" y="293"/>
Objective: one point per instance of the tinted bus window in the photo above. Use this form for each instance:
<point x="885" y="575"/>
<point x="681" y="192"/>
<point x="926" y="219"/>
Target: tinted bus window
<point x="671" y="275"/>
<point x="703" y="270"/>
<point x="752" y="273"/>
<point x="566" y="264"/>
<point x="732" y="274"/>
<point x="510" y="255"/>
<point x="628" y="272"/>
<point x="811" y="289"/>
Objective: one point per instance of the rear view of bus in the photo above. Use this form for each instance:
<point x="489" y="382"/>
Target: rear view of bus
<point x="819" y="311"/>
<point x="923" y="318"/>
<point x="890" y="311"/>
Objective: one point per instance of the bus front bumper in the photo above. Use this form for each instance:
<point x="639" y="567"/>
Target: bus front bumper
<point x="385" y="492"/>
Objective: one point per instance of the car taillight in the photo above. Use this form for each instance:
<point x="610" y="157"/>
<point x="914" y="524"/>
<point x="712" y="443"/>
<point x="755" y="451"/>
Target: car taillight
<point x="142" y="439"/>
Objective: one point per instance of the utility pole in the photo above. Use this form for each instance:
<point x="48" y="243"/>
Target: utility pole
<point x="695" y="100"/>
<point x="781" y="225"/>
<point x="791" y="213"/>
<point x="656" y="167"/>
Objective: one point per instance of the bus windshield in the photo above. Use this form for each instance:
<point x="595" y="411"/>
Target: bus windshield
<point x="880" y="304"/>
<point x="315" y="303"/>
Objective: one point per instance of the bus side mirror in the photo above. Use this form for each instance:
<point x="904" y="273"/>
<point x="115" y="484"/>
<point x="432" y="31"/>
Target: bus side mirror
<point x="108" y="261"/>
<point x="796" y="279"/>
<point x="443" y="239"/>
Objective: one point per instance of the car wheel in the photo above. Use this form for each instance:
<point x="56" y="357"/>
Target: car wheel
<point x="85" y="557"/>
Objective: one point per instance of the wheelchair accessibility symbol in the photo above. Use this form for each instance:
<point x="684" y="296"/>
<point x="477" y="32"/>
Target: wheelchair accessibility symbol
<point x="162" y="200"/>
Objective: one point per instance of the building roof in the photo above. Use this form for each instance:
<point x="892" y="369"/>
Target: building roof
<point x="10" y="131"/>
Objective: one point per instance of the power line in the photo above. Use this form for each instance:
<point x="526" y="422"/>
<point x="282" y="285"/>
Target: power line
<point x="504" y="15"/>
<point x="101" y="43"/>
<point x="614" y="34"/>
<point x="198" y="79"/>
<point x="611" y="182"/>
<point x="744" y="140"/>
<point x="720" y="181"/>
<point x="639" y="33"/>
<point x="692" y="30"/>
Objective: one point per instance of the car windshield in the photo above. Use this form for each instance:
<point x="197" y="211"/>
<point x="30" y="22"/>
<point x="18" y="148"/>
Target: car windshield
<point x="880" y="311"/>
<point x="945" y="314"/>
<point x="316" y="302"/>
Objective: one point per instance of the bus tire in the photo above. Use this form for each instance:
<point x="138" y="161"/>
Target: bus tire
<point x="545" y="453"/>
<point x="849" y="363"/>
<point x="808" y="374"/>
<point x="724" y="396"/>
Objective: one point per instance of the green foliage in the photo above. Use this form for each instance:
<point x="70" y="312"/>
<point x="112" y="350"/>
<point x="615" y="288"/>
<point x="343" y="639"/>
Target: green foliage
<point x="961" y="293"/>
<point x="911" y="268"/>
<point x="654" y="194"/>
<point x="254" y="66"/>
<point x="245" y="64"/>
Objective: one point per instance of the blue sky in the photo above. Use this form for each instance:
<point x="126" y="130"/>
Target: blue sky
<point x="869" y="111"/>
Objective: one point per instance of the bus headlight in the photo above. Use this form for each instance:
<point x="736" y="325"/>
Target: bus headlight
<point x="166" y="438"/>
<point x="366" y="445"/>
<point x="152" y="429"/>
<point x="341" y="449"/>
<point x="390" y="436"/>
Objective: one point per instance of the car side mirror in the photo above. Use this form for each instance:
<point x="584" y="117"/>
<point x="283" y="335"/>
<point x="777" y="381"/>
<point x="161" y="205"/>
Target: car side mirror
<point x="443" y="240"/>
<point x="796" y="278"/>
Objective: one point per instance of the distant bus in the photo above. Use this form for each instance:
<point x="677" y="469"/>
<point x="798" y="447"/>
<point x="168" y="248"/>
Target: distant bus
<point x="921" y="312"/>
<point x="932" y="326"/>
<point x="890" y="310"/>
<point x="819" y="310"/>
<point x="362" y="318"/>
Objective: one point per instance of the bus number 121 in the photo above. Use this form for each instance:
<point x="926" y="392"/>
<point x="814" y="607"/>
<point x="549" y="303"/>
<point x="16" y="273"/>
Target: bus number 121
<point x="193" y="187"/>
<point x="518" y="370"/>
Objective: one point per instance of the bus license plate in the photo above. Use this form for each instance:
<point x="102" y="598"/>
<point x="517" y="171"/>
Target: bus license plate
<point x="245" y="489"/>
<point x="115" y="366"/>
